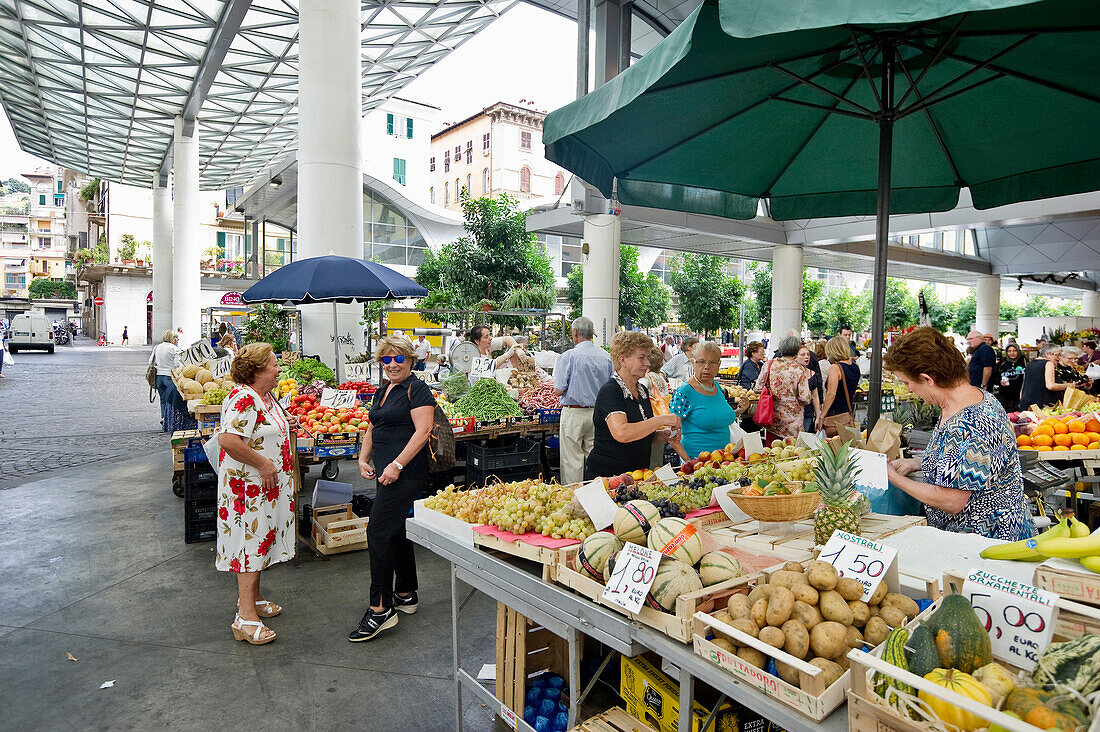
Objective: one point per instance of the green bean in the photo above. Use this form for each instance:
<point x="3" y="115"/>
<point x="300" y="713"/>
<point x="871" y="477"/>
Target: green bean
<point x="488" y="400"/>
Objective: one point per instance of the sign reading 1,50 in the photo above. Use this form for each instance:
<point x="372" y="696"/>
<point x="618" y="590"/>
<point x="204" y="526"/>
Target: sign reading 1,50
<point x="857" y="564"/>
<point x="1013" y="616"/>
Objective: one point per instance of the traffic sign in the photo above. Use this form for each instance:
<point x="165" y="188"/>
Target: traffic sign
<point x="98" y="301"/>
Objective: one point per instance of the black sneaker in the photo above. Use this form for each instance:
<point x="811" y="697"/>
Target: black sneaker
<point x="407" y="605"/>
<point x="372" y="624"/>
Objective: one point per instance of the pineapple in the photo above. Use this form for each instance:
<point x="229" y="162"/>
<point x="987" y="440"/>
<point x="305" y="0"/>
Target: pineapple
<point x="835" y="474"/>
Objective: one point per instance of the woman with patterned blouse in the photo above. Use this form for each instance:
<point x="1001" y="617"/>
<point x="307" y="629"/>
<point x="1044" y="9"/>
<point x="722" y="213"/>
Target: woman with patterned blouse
<point x="971" y="468"/>
<point x="789" y="382"/>
<point x="255" y="494"/>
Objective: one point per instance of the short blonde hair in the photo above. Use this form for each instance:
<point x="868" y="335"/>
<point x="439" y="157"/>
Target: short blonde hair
<point x="707" y="347"/>
<point x="838" y="349"/>
<point x="169" y="336"/>
<point x="395" y="345"/>
<point x="226" y="339"/>
<point x="625" y="343"/>
<point x="250" y="360"/>
<point x="656" y="359"/>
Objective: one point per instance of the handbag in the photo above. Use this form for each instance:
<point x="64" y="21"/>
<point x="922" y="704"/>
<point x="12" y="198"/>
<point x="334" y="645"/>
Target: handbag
<point x="765" y="405"/>
<point x="441" y="440"/>
<point x="840" y="420"/>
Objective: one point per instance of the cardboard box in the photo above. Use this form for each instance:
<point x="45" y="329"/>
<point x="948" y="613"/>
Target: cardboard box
<point x="653" y="697"/>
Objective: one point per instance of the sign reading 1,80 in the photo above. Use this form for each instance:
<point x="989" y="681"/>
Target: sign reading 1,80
<point x="634" y="573"/>
<point x="860" y="559"/>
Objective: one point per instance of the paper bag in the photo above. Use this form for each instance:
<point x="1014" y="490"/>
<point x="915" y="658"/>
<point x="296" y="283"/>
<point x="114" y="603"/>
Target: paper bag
<point x="850" y="434"/>
<point x="886" y="438"/>
<point x="1075" y="398"/>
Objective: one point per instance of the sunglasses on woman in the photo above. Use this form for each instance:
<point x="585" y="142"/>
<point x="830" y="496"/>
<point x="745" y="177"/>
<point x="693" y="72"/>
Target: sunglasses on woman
<point x="395" y="359"/>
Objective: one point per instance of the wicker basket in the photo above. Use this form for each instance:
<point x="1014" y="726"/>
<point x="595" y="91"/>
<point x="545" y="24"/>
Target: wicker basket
<point x="777" y="508"/>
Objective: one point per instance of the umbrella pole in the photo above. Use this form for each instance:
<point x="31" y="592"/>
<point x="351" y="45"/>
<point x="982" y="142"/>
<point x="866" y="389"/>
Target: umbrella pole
<point x="882" y="234"/>
<point x="336" y="342"/>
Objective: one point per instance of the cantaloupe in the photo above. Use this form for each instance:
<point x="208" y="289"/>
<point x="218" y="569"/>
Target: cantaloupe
<point x="717" y="567"/>
<point x="594" y="552"/>
<point x="190" y="370"/>
<point x="633" y="521"/>
<point x="190" y="386"/>
<point x="210" y="385"/>
<point x="674" y="578"/>
<point x="204" y="376"/>
<point x="665" y="530"/>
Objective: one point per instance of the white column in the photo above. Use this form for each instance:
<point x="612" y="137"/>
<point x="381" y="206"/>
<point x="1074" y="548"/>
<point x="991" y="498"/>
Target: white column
<point x="162" y="257"/>
<point x="987" y="318"/>
<point x="602" y="234"/>
<point x="186" y="278"/>
<point x="330" y="174"/>
<point x="786" y="291"/>
<point x="1090" y="304"/>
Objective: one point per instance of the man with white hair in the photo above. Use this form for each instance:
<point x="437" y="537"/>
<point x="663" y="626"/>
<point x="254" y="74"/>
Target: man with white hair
<point x="982" y="362"/>
<point x="578" y="376"/>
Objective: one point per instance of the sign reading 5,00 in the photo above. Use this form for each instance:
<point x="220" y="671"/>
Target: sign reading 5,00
<point x="1018" y="617"/>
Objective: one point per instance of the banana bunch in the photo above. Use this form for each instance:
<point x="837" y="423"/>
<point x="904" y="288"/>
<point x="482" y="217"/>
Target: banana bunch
<point x="1069" y="538"/>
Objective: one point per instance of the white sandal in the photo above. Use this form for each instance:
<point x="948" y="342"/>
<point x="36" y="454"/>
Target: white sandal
<point x="265" y="608"/>
<point x="239" y="633"/>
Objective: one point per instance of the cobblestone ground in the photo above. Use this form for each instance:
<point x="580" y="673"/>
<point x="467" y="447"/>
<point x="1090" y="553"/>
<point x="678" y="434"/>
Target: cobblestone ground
<point x="79" y="405"/>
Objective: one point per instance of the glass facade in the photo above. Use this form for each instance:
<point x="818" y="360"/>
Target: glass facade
<point x="388" y="236"/>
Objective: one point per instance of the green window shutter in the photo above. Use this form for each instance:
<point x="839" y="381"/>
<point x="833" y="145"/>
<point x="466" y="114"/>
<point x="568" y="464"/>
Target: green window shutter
<point x="42" y="200"/>
<point x="409" y="128"/>
<point x="389" y="124"/>
<point x="280" y="244"/>
<point x="221" y="245"/>
<point x="399" y="170"/>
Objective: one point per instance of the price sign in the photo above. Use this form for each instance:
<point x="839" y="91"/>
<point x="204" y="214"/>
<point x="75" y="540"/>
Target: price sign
<point x="357" y="371"/>
<point x="285" y="401"/>
<point x="863" y="560"/>
<point x="753" y="444"/>
<point x="596" y="503"/>
<point x="635" y="570"/>
<point x="337" y="398"/>
<point x="1018" y="617"/>
<point x="199" y="352"/>
<point x="666" y="475"/>
<point x="219" y="367"/>
<point x="482" y="366"/>
<point x="510" y="718"/>
<point x="290" y="358"/>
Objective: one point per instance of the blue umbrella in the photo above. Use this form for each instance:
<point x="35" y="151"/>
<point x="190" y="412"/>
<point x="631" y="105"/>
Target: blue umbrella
<point x="332" y="279"/>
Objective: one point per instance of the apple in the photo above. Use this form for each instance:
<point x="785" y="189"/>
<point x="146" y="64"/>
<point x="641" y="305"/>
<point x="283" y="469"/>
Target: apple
<point x="614" y="483"/>
<point x="704" y="455"/>
<point x="626" y="479"/>
<point x="777" y="443"/>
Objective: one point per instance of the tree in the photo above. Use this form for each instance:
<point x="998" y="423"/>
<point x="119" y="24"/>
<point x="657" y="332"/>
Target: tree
<point x="43" y="287"/>
<point x="710" y="295"/>
<point x="941" y="314"/>
<point x="901" y="307"/>
<point x="497" y="255"/>
<point x="15" y="185"/>
<point x="1067" y="307"/>
<point x="838" y="307"/>
<point x="966" y="314"/>
<point x="640" y="296"/>
<point x="812" y="289"/>
<point x="654" y="303"/>
<point x="1009" y="311"/>
<point x="762" y="294"/>
<point x="1036" y="307"/>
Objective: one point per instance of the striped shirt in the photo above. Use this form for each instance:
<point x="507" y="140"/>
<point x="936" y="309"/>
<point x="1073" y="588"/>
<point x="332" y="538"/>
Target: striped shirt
<point x="580" y="373"/>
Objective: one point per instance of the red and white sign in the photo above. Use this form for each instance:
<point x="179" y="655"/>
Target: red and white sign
<point x="232" y="298"/>
<point x="99" y="301"/>
<point x="149" y="297"/>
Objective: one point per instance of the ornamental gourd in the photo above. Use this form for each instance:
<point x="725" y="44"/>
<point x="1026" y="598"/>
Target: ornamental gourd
<point x="921" y="651"/>
<point x="960" y="638"/>
<point x="960" y="683"/>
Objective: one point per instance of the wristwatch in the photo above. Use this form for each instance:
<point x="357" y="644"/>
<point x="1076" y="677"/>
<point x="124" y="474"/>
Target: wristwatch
<point x="399" y="465"/>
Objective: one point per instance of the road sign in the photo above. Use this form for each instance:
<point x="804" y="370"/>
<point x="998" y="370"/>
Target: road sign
<point x="99" y="301"/>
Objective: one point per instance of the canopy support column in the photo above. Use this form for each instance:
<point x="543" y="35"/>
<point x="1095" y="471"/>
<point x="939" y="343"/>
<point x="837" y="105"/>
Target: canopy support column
<point x="786" y="291"/>
<point x="882" y="231"/>
<point x="162" y="256"/>
<point x="602" y="235"/>
<point x="1090" y="304"/>
<point x="186" y="276"/>
<point x="988" y="301"/>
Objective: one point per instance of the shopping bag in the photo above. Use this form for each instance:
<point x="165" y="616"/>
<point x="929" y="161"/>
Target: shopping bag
<point x="765" y="407"/>
<point x="212" y="450"/>
<point x="886" y="438"/>
<point x="9" y="360"/>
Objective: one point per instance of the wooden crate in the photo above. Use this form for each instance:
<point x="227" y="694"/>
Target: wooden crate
<point x="337" y="530"/>
<point x="547" y="557"/>
<point x="615" y="719"/>
<point x="796" y="541"/>
<point x="679" y="625"/>
<point x="1070" y="580"/>
<point x="524" y="649"/>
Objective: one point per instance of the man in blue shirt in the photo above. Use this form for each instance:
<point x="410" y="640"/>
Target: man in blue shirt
<point x="578" y="376"/>
<point x="982" y="362"/>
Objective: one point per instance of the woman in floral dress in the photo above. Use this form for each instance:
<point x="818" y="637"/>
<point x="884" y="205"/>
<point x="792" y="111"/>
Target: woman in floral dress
<point x="789" y="382"/>
<point x="255" y="494"/>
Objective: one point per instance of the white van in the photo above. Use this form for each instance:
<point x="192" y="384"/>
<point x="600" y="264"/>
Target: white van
<point x="31" y="331"/>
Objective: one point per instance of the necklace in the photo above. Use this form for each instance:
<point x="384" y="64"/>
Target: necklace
<point x="712" y="390"/>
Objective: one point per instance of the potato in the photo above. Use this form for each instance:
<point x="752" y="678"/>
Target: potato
<point x="829" y="639"/>
<point x="784" y="578"/>
<point x="805" y="593"/>
<point x="834" y="607"/>
<point x="762" y="590"/>
<point x="724" y="616"/>
<point x="843" y="661"/>
<point x="849" y="588"/>
<point x="831" y="670"/>
<point x="773" y="636"/>
<point x="752" y="656"/>
<point x="797" y="641"/>
<point x="779" y="606"/>
<point x="855" y="638"/>
<point x="760" y="612"/>
<point x="745" y="625"/>
<point x="822" y="575"/>
<point x="860" y="613"/>
<point x="787" y="673"/>
<point x="906" y="604"/>
<point x="876" y="631"/>
<point x="878" y="594"/>
<point x="873" y="610"/>
<point x="739" y="607"/>
<point x="794" y="567"/>
<point x="808" y="615"/>
<point x="893" y="616"/>
<point x="725" y="645"/>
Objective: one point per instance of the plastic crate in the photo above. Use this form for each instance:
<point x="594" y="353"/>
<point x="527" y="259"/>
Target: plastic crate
<point x="476" y="478"/>
<point x="486" y="458"/>
<point x="196" y="531"/>
<point x="200" y="511"/>
<point x="195" y="455"/>
<point x="199" y="473"/>
<point x="549" y="416"/>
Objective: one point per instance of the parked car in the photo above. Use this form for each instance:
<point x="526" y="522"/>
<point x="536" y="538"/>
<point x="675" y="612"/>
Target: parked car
<point x="30" y="331"/>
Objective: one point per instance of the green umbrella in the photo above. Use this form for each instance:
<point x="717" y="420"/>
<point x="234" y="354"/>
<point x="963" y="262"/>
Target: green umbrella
<point x="848" y="107"/>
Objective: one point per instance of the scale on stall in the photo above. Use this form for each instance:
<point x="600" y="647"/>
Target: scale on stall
<point x="1039" y="476"/>
<point x="463" y="356"/>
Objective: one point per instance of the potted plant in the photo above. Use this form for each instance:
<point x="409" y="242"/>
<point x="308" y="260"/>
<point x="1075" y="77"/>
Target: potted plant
<point x="127" y="248"/>
<point x="486" y="304"/>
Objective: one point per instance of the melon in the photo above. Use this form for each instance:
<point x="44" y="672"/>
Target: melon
<point x="665" y="530"/>
<point x="595" y="550"/>
<point x="210" y="385"/>
<point x="203" y="376"/>
<point x="674" y="578"/>
<point x="190" y="370"/>
<point x="717" y="567"/>
<point x="633" y="521"/>
<point x="190" y="386"/>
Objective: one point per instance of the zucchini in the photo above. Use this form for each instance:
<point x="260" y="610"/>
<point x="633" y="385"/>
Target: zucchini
<point x="894" y="653"/>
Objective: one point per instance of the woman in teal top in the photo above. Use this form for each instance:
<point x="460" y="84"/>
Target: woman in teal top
<point x="705" y="414"/>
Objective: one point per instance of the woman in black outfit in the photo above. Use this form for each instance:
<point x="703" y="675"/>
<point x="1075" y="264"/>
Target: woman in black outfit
<point x="400" y="422"/>
<point x="843" y="379"/>
<point x="1011" y="368"/>
<point x="1041" y="386"/>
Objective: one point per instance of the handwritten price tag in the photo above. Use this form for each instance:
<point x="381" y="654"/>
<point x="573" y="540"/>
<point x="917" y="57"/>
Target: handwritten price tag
<point x="666" y="475"/>
<point x="337" y="398"/>
<point x="863" y="560"/>
<point x="219" y="367"/>
<point x="596" y="503"/>
<point x="1018" y="617"/>
<point x="199" y="352"/>
<point x="357" y="371"/>
<point x="483" y="366"/>
<point x="285" y="401"/>
<point x="635" y="570"/>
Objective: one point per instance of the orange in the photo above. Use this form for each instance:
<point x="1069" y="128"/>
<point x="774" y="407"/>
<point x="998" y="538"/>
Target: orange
<point x="1093" y="424"/>
<point x="1076" y="426"/>
<point x="1023" y="441"/>
<point x="1078" y="447"/>
<point x="1063" y="440"/>
<point x="1093" y="436"/>
<point x="1043" y="448"/>
<point x="1079" y="438"/>
<point x="1060" y="448"/>
<point x="1094" y="445"/>
<point x="1060" y="428"/>
<point x="1043" y="429"/>
<point x="1042" y="440"/>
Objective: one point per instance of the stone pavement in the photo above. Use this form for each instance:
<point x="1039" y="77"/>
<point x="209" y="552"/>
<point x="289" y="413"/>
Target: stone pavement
<point x="93" y="566"/>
